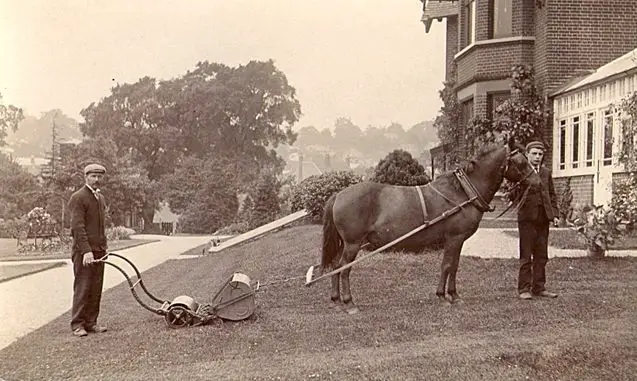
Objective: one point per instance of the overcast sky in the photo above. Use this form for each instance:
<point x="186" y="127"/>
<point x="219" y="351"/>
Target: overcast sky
<point x="365" y="59"/>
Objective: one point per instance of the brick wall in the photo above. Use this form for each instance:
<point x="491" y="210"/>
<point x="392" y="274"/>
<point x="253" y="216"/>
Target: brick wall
<point x="581" y="187"/>
<point x="523" y="18"/>
<point x="493" y="61"/>
<point x="452" y="43"/>
<point x="585" y="34"/>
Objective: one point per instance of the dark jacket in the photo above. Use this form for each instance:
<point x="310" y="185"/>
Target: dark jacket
<point x="540" y="197"/>
<point x="87" y="221"/>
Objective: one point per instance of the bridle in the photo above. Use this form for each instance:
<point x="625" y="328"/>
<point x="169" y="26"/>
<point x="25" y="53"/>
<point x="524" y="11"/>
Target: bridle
<point x="516" y="184"/>
<point x="524" y="176"/>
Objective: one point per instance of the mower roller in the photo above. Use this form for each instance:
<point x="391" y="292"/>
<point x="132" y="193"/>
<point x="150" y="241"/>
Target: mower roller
<point x="234" y="301"/>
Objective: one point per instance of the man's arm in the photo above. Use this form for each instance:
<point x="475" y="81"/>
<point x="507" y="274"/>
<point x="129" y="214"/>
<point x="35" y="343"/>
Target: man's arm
<point x="78" y="223"/>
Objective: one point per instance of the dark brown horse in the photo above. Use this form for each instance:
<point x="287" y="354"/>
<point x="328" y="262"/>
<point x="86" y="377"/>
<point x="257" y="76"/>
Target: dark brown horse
<point x="376" y="214"/>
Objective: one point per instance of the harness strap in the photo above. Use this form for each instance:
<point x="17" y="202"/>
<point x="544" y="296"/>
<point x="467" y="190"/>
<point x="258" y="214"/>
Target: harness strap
<point x="422" y="203"/>
<point x="472" y="192"/>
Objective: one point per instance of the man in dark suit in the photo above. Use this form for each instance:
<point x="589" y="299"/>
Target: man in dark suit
<point x="87" y="209"/>
<point x="536" y="213"/>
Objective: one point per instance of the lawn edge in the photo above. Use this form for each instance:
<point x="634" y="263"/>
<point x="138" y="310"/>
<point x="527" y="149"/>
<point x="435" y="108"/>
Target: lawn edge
<point x="49" y="267"/>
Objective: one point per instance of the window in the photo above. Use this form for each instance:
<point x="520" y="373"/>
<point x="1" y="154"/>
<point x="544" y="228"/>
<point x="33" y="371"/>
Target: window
<point x="594" y="95"/>
<point x="631" y="84"/>
<point x="470" y="22"/>
<point x="612" y="90"/>
<point x="587" y="97"/>
<point x="602" y="93"/>
<point x="590" y="138"/>
<point x="572" y="98"/>
<point x="608" y="138"/>
<point x="579" y="100"/>
<point x="501" y="18"/>
<point x="466" y="114"/>
<point x="622" y="87"/>
<point x="494" y="100"/>
<point x="562" y="143"/>
<point x="575" y="142"/>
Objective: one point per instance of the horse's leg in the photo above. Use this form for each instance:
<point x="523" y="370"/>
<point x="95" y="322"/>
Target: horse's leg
<point x="452" y="250"/>
<point x="349" y="254"/>
<point x="451" y="286"/>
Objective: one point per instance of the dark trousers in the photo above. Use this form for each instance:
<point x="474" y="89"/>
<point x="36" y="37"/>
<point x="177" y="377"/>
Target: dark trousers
<point x="534" y="237"/>
<point x="87" y="292"/>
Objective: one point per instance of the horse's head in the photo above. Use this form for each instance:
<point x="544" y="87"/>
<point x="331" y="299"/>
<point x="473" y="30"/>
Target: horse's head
<point x="517" y="168"/>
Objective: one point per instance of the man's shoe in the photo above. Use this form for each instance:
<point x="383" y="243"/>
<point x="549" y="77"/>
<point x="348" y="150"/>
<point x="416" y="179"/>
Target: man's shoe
<point x="79" y="332"/>
<point x="546" y="294"/>
<point x="526" y="296"/>
<point x="96" y="329"/>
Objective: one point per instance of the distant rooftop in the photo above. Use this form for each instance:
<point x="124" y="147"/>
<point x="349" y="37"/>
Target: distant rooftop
<point x="620" y="65"/>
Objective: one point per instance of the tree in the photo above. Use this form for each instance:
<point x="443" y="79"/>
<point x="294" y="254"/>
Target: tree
<point x="265" y="199"/>
<point x="400" y="168"/>
<point x="202" y="192"/>
<point x="19" y="190"/>
<point x="236" y="113"/>
<point x="10" y="117"/>
<point x="126" y="186"/>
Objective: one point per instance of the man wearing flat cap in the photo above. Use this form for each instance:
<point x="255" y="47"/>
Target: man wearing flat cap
<point x="537" y="212"/>
<point x="87" y="208"/>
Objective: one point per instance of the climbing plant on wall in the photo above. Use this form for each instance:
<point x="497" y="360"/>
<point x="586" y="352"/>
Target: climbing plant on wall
<point x="523" y="115"/>
<point x="447" y="123"/>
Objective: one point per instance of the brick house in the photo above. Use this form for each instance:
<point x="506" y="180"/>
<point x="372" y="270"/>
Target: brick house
<point x="561" y="39"/>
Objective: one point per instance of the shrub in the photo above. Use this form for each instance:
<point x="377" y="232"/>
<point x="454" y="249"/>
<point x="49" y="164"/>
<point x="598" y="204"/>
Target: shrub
<point x="234" y="229"/>
<point x="400" y="168"/>
<point x="599" y="226"/>
<point x="312" y="193"/>
<point x="117" y="233"/>
<point x="624" y="201"/>
<point x="12" y="228"/>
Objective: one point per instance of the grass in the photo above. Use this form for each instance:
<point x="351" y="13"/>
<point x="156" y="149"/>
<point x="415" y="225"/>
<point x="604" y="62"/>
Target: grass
<point x="8" y="250"/>
<point x="401" y="333"/>
<point x="572" y="240"/>
<point x="9" y="272"/>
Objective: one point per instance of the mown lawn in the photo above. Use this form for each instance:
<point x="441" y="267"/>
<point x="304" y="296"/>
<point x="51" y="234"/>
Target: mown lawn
<point x="401" y="333"/>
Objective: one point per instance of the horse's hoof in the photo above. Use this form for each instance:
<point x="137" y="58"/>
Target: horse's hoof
<point x="444" y="301"/>
<point x="458" y="301"/>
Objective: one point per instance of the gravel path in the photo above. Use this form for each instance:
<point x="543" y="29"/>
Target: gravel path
<point x="32" y="301"/>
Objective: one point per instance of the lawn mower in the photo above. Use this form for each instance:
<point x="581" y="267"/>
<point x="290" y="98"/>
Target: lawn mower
<point x="234" y="301"/>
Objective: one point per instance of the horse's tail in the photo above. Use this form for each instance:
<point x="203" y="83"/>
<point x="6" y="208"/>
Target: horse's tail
<point x="332" y="241"/>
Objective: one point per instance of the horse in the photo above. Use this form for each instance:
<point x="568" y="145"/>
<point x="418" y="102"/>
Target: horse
<point x="453" y="204"/>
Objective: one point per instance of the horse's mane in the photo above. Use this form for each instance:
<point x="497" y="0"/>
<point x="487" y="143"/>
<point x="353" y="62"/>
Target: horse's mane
<point x="466" y="164"/>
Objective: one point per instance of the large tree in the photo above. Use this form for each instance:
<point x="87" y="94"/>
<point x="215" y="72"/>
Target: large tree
<point x="10" y="117"/>
<point x="238" y="113"/>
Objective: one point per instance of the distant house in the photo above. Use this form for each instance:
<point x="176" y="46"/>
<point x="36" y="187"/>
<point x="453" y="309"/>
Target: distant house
<point x="165" y="220"/>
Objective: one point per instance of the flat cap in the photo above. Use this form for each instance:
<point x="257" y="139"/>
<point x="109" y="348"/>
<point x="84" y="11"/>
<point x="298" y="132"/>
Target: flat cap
<point x="94" y="168"/>
<point x="535" y="144"/>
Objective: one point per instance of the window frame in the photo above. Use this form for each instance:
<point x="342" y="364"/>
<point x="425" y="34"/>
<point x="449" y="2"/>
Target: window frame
<point x="493" y="19"/>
